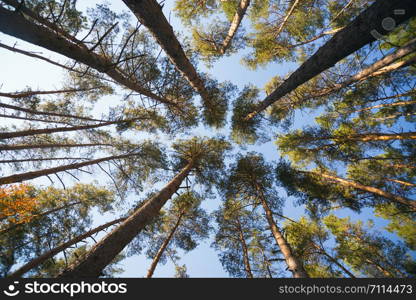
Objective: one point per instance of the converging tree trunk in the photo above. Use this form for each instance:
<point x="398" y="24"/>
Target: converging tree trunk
<point x="35" y="174"/>
<point x="366" y="137"/>
<point x="14" y="134"/>
<point x="51" y="253"/>
<point x="45" y="113"/>
<point x="286" y="18"/>
<point x="235" y="24"/>
<point x="102" y="253"/>
<point x="19" y="95"/>
<point x="150" y="14"/>
<point x="293" y="263"/>
<point x="360" y="32"/>
<point x="372" y="190"/>
<point x="43" y="146"/>
<point x="380" y="67"/>
<point x="243" y="243"/>
<point x="163" y="247"/>
<point x="17" y="25"/>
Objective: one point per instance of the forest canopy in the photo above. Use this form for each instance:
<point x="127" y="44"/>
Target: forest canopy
<point x="145" y="147"/>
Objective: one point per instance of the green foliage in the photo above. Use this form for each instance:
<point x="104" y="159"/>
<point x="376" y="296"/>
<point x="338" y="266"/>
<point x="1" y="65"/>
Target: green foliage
<point x="246" y="131"/>
<point x="60" y="216"/>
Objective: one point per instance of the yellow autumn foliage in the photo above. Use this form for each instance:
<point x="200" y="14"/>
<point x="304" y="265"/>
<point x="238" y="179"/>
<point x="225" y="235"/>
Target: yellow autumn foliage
<point x="16" y="203"/>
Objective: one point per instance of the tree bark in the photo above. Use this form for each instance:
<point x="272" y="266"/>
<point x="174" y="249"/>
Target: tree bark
<point x="400" y="103"/>
<point x="293" y="263"/>
<point x="370" y="189"/>
<point x="367" y="137"/>
<point x="246" y="259"/>
<point x="43" y="146"/>
<point x="163" y="247"/>
<point x="49" y="254"/>
<point x="353" y="37"/>
<point x="401" y="182"/>
<point x="7" y="161"/>
<point x="45" y="113"/>
<point x="102" y="253"/>
<point x="47" y="38"/>
<point x="35" y="174"/>
<point x="8" y="135"/>
<point x="286" y="18"/>
<point x="150" y="14"/>
<point x="334" y="260"/>
<point x="34" y="93"/>
<point x="235" y="24"/>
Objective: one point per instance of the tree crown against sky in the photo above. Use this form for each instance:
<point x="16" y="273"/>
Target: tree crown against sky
<point x="152" y="149"/>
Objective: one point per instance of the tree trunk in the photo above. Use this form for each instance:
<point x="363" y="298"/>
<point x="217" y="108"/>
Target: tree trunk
<point x="7" y="161"/>
<point x="380" y="67"/>
<point x="366" y="137"/>
<point x="246" y="259"/>
<point x="235" y="24"/>
<point x="47" y="38"/>
<point x="37" y="112"/>
<point x="35" y="174"/>
<point x="150" y="14"/>
<point x="293" y="263"/>
<point x="34" y="93"/>
<point x="360" y="32"/>
<point x="334" y="260"/>
<point x="401" y="182"/>
<point x="14" y="134"/>
<point x="315" y="38"/>
<point x="49" y="254"/>
<point x="400" y="103"/>
<point x="112" y="244"/>
<point x="370" y="189"/>
<point x="43" y="146"/>
<point x="286" y="18"/>
<point x="163" y="247"/>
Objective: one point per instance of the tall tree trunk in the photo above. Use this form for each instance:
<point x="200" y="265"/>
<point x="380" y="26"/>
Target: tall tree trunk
<point x="30" y="32"/>
<point x="14" y="134"/>
<point x="334" y="260"/>
<point x="293" y="263"/>
<point x="7" y="161"/>
<point x="315" y="38"/>
<point x="400" y="103"/>
<point x="163" y="247"/>
<point x="19" y="95"/>
<point x="43" y="146"/>
<point x="51" y="253"/>
<point x="102" y="253"/>
<point x="378" y="68"/>
<point x="150" y="14"/>
<point x="401" y="182"/>
<point x="235" y="24"/>
<point x="353" y="37"/>
<point x="45" y="113"/>
<point x="35" y="174"/>
<point x="286" y="18"/>
<point x="366" y="137"/>
<point x="369" y="189"/>
<point x="246" y="259"/>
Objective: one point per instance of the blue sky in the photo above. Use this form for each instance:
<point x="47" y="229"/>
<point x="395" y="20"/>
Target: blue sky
<point x="17" y="72"/>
